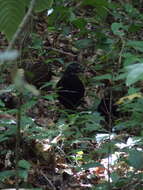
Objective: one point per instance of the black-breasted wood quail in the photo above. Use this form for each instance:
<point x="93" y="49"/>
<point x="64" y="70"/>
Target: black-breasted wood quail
<point x="70" y="87"/>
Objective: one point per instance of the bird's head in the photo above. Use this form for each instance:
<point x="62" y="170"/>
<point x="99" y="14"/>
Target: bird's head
<point x="73" y="68"/>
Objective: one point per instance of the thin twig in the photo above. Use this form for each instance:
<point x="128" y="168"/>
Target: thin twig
<point x="61" y="51"/>
<point x="109" y="147"/>
<point x="49" y="181"/>
<point x="10" y="46"/>
<point x="121" y="52"/>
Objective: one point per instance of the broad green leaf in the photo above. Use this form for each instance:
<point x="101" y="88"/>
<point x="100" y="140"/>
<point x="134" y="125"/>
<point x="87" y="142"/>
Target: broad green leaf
<point x="134" y="27"/>
<point x="85" y="43"/>
<point x="115" y="177"/>
<point x="49" y="97"/>
<point x="132" y="12"/>
<point x="13" y="11"/>
<point x="11" y="131"/>
<point x="101" y="3"/>
<point x="136" y="159"/>
<point x="135" y="73"/>
<point x="3" y="138"/>
<point x="117" y="29"/>
<point x="106" y="76"/>
<point x="6" y="174"/>
<point x="130" y="58"/>
<point x="36" y="41"/>
<point x="11" y="14"/>
<point x="100" y="6"/>
<point x="80" y="23"/>
<point x="24" y="164"/>
<point x="23" y="174"/>
<point x="2" y="104"/>
<point x="137" y="45"/>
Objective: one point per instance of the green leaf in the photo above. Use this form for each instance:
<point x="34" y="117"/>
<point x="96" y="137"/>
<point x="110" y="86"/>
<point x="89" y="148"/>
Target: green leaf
<point x="130" y="59"/>
<point x="137" y="45"/>
<point x="106" y="76"/>
<point x="11" y="131"/>
<point x="135" y="73"/>
<point x="2" y="104"/>
<point x="49" y="97"/>
<point x="101" y="3"/>
<point x="117" y="29"/>
<point x="85" y="43"/>
<point x="134" y="27"/>
<point x="36" y="41"/>
<point x="3" y="138"/>
<point x="24" y="164"/>
<point x="136" y="159"/>
<point x="6" y="174"/>
<point x="80" y="23"/>
<point x="11" y="14"/>
<point x="23" y="174"/>
<point x="100" y="6"/>
<point x="115" y="177"/>
<point x="132" y="12"/>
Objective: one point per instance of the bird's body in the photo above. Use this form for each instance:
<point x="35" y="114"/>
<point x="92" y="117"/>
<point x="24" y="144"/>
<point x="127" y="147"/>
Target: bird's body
<point x="70" y="88"/>
<point x="9" y="100"/>
<point x="37" y="74"/>
<point x="108" y="109"/>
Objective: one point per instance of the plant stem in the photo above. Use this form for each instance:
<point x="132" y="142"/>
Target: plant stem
<point x="17" y="151"/>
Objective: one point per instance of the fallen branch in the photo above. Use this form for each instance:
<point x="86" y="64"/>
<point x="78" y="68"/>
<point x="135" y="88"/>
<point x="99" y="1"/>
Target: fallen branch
<point x="61" y="51"/>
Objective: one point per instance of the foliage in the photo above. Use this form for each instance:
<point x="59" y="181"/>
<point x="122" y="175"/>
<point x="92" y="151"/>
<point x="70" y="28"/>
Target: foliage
<point x="105" y="37"/>
<point x="11" y="15"/>
<point x="13" y="12"/>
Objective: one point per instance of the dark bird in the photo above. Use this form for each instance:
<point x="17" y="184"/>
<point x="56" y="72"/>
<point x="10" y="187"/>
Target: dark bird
<point x="70" y="87"/>
<point x="112" y="114"/>
<point x="9" y="100"/>
<point x="108" y="109"/>
<point x="37" y="74"/>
